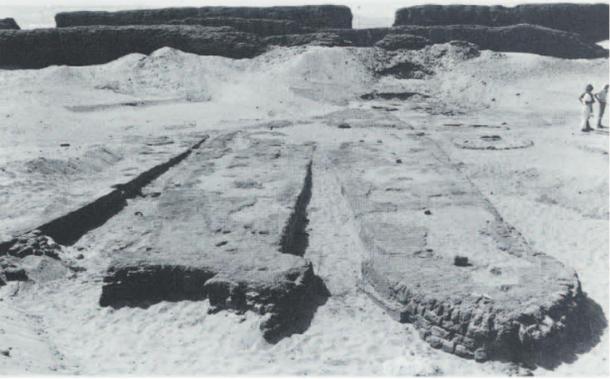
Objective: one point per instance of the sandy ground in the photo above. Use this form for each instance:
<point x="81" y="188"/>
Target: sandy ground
<point x="555" y="192"/>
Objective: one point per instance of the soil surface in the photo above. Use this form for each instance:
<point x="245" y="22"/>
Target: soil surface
<point x="293" y="150"/>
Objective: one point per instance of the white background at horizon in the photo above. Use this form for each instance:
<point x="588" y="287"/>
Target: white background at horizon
<point x="367" y="13"/>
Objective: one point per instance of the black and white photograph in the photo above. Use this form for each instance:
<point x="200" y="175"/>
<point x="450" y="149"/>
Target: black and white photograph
<point x="304" y="188"/>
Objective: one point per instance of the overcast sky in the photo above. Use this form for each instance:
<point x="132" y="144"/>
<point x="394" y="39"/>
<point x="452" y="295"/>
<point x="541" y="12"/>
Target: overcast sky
<point x="367" y="13"/>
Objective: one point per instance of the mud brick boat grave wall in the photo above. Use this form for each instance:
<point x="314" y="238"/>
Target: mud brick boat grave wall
<point x="232" y="232"/>
<point x="442" y="258"/>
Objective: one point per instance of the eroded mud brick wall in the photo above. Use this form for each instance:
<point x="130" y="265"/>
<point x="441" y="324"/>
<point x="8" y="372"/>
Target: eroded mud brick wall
<point x="240" y="32"/>
<point x="314" y="16"/>
<point x="259" y="26"/>
<point x="522" y="38"/>
<point x="8" y="23"/>
<point x="588" y="20"/>
<point x="78" y="46"/>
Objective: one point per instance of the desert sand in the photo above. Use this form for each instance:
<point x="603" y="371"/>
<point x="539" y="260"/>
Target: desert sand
<point x="507" y="122"/>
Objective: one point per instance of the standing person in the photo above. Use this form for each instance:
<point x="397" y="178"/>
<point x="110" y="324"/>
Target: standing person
<point x="587" y="101"/>
<point x="601" y="97"/>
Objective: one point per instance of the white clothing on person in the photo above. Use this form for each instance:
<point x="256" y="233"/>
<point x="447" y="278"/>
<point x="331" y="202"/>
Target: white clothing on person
<point x="587" y="101"/>
<point x="602" y="97"/>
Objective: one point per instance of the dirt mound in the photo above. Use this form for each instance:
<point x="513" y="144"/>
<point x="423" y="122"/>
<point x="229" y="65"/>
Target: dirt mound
<point x="512" y="82"/>
<point x="315" y="16"/>
<point x="259" y="26"/>
<point x="416" y="64"/>
<point x="588" y="20"/>
<point x="280" y="80"/>
<point x="91" y="161"/>
<point x="100" y="44"/>
<point x="8" y="23"/>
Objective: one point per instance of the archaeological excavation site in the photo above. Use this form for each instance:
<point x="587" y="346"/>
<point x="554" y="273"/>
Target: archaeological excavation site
<point x="271" y="190"/>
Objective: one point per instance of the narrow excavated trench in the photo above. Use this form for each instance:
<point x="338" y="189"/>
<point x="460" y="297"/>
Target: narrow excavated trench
<point x="69" y="228"/>
<point x="295" y="238"/>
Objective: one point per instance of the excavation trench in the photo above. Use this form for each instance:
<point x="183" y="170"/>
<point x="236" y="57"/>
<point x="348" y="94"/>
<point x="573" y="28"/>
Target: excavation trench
<point x="69" y="228"/>
<point x="295" y="238"/>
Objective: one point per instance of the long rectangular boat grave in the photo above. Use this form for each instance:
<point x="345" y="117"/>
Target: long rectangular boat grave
<point x="230" y="227"/>
<point x="441" y="256"/>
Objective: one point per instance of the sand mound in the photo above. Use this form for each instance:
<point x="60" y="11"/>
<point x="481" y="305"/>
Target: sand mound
<point x="515" y="81"/>
<point x="280" y="78"/>
<point x="93" y="160"/>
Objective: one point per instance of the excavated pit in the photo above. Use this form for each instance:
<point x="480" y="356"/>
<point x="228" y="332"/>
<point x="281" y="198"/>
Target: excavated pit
<point x="510" y="302"/>
<point x="233" y="232"/>
<point x="68" y="229"/>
